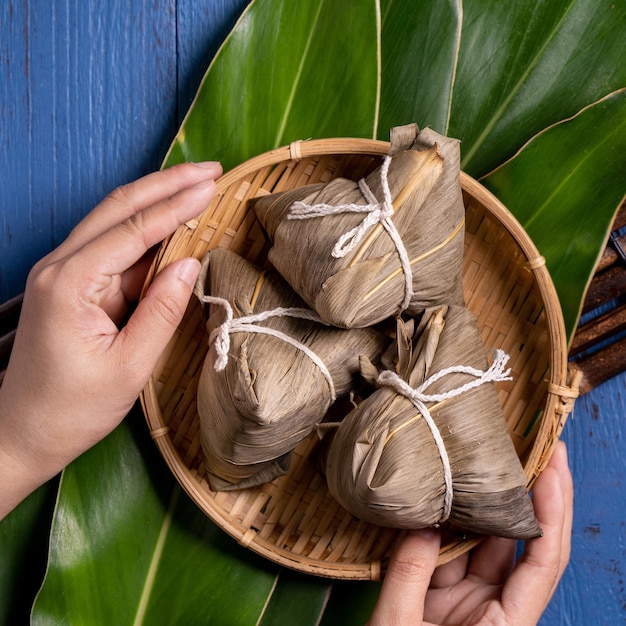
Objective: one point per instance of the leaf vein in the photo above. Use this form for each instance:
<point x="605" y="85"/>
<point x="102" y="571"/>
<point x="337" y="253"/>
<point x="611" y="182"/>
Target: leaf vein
<point x="283" y="123"/>
<point x="455" y="62"/>
<point x="156" y="558"/>
<point x="498" y="113"/>
<point x="566" y="179"/>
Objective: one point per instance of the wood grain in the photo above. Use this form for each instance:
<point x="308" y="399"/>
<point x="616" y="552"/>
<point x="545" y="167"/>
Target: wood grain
<point x="92" y="93"/>
<point x="88" y="101"/>
<point x="599" y="345"/>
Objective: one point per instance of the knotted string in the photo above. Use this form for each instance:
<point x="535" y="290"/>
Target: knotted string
<point x="419" y="398"/>
<point x="220" y="336"/>
<point x="376" y="213"/>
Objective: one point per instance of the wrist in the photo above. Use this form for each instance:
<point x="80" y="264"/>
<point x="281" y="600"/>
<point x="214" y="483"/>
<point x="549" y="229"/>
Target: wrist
<point x="22" y="466"/>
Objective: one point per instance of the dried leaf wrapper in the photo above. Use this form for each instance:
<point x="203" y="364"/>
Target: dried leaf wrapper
<point x="270" y="394"/>
<point x="358" y="282"/>
<point x="384" y="466"/>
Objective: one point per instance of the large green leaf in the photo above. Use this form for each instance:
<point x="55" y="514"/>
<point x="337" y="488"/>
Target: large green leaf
<point x="23" y="553"/>
<point x="297" y="599"/>
<point x="495" y="73"/>
<point x="128" y="547"/>
<point x="350" y="603"/>
<point x="420" y="44"/>
<point x="526" y="65"/>
<point x="288" y="70"/>
<point x="565" y="187"/>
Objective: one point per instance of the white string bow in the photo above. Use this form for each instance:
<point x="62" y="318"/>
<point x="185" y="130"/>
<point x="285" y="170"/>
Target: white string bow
<point x="419" y="398"/>
<point x="376" y="212"/>
<point x="220" y="336"/>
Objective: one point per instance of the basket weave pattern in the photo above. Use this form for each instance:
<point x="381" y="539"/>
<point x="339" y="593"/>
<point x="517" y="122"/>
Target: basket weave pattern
<point x="293" y="520"/>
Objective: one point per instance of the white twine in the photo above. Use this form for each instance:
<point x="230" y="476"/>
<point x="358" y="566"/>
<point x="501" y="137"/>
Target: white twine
<point x="248" y="324"/>
<point x="376" y="213"/>
<point x="496" y="372"/>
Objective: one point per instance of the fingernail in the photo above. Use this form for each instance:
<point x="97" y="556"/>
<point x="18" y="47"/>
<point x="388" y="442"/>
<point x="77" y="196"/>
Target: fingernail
<point x="188" y="271"/>
<point x="204" y="184"/>
<point x="208" y="165"/>
<point x="426" y="533"/>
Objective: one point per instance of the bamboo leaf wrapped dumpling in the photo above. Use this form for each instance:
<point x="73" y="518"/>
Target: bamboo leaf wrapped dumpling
<point x="358" y="253"/>
<point x="385" y="465"/>
<point x="261" y="394"/>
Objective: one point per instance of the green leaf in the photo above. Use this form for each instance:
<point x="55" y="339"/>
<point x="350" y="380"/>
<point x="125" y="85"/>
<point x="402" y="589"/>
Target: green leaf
<point x="128" y="547"/>
<point x="565" y="187"/>
<point x="420" y="42"/>
<point x="297" y="599"/>
<point x="350" y="603"/>
<point x="24" y="553"/>
<point x="207" y="571"/>
<point x="288" y="71"/>
<point x="526" y="65"/>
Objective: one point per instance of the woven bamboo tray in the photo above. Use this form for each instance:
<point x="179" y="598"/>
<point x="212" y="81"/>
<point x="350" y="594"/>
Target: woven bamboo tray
<point x="293" y="520"/>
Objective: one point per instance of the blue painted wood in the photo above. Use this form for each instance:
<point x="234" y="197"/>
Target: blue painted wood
<point x="89" y="101"/>
<point x="593" y="589"/>
<point x="91" y="94"/>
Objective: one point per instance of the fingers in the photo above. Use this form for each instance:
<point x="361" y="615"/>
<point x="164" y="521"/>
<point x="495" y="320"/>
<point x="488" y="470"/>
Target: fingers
<point x="540" y="568"/>
<point x="130" y="199"/>
<point x="560" y="462"/>
<point x="404" y="588"/>
<point x="450" y="573"/>
<point x="492" y="561"/>
<point x="117" y="249"/>
<point x="133" y="279"/>
<point x="141" y="342"/>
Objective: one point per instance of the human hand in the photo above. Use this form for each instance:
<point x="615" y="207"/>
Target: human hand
<point x="77" y="366"/>
<point x="484" y="586"/>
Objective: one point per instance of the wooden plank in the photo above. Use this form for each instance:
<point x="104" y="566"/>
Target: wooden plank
<point x="9" y="316"/>
<point x="605" y="287"/>
<point x="599" y="330"/>
<point x="88" y="101"/>
<point x="599" y="345"/>
<point x="602" y="365"/>
<point x="594" y="436"/>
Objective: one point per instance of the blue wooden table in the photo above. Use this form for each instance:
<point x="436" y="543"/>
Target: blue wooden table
<point x="91" y="95"/>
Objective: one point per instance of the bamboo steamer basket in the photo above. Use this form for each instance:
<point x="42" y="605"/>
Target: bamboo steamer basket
<point x="294" y="521"/>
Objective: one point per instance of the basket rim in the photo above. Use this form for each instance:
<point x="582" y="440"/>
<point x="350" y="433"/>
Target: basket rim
<point x="558" y="393"/>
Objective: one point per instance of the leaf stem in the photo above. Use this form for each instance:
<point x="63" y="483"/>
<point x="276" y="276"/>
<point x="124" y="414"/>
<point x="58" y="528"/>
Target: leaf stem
<point x="156" y="558"/>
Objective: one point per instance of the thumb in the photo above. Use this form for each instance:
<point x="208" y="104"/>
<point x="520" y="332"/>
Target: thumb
<point x="157" y="316"/>
<point x="402" y="595"/>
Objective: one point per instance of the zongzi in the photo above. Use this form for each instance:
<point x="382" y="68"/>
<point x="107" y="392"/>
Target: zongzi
<point x="359" y="252"/>
<point x="431" y="443"/>
<point x="272" y="371"/>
